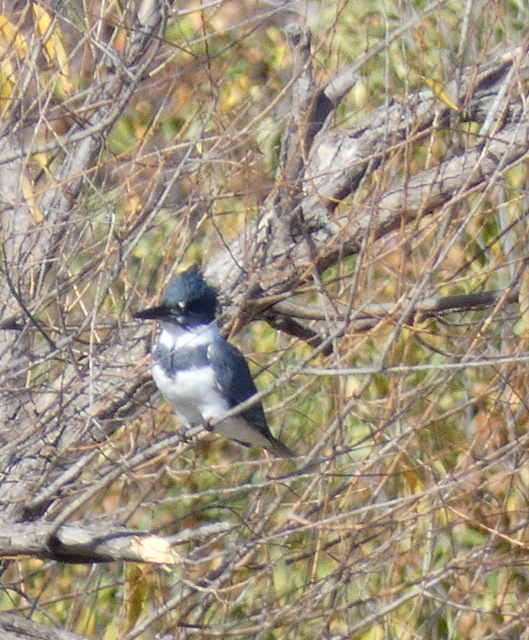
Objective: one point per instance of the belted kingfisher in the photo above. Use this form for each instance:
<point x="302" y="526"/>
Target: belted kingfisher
<point x="198" y="372"/>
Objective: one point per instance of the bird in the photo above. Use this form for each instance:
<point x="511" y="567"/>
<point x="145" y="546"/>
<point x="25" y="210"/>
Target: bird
<point x="200" y="373"/>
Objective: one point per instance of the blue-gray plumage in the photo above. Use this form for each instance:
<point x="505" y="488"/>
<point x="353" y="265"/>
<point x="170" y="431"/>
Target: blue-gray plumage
<point x="201" y="374"/>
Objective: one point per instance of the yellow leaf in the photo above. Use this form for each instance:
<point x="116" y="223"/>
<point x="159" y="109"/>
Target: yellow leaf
<point x="53" y="43"/>
<point x="415" y="483"/>
<point x="7" y="85"/>
<point x="29" y="195"/>
<point x="523" y="300"/>
<point x="138" y="589"/>
<point x="439" y="92"/>
<point x="11" y="35"/>
<point x="43" y="21"/>
<point x="11" y="44"/>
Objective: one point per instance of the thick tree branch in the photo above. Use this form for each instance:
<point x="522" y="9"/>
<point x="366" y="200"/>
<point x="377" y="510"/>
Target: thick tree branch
<point x="81" y="543"/>
<point x="13" y="627"/>
<point x="287" y="316"/>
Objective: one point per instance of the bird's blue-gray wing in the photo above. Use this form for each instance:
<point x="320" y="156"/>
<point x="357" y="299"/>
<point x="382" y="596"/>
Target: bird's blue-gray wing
<point x="235" y="381"/>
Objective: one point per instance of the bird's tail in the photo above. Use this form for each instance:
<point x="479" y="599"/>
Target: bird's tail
<point x="280" y="450"/>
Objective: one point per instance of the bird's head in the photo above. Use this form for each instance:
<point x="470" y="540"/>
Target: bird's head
<point x="188" y="301"/>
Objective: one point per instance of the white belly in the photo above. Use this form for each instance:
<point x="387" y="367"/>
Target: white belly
<point x="195" y="398"/>
<point x="193" y="394"/>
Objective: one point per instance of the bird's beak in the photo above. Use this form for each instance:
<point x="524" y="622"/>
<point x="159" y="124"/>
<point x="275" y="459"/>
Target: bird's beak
<point x="153" y="313"/>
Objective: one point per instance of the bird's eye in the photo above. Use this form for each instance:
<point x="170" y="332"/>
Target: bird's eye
<point x="182" y="305"/>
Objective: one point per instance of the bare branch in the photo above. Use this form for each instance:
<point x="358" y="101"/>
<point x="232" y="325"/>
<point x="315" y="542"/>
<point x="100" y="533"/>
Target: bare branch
<point x="82" y="543"/>
<point x="15" y="627"/>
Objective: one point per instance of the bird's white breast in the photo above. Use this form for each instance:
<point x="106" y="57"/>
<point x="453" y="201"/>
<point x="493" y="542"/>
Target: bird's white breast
<point x="193" y="393"/>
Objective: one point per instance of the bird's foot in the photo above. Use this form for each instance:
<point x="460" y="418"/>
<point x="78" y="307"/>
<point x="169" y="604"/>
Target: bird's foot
<point x="207" y="426"/>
